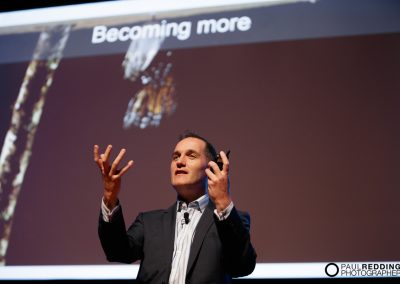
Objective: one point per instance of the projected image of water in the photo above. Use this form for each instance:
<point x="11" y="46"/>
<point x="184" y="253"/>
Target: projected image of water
<point x="156" y="97"/>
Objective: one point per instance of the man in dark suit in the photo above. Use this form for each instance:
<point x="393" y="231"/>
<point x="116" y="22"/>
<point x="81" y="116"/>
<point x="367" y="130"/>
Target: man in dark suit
<point x="201" y="238"/>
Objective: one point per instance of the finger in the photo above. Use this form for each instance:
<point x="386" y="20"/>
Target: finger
<point x="126" y="168"/>
<point x="101" y="166"/>
<point x="105" y="167"/>
<point x="225" y="161"/>
<point x="213" y="167"/>
<point x="104" y="164"/>
<point x="107" y="153"/>
<point x="96" y="156"/>
<point x="116" y="162"/>
<point x="211" y="176"/>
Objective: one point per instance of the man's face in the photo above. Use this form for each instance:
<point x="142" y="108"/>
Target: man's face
<point x="188" y="165"/>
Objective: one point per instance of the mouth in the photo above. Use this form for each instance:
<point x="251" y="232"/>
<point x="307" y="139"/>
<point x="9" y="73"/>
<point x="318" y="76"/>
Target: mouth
<point x="180" y="172"/>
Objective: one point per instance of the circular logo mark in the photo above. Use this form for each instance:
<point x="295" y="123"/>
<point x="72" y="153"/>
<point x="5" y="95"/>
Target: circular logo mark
<point x="331" y="269"/>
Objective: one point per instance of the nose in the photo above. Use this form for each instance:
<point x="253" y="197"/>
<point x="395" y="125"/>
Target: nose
<point x="180" y="162"/>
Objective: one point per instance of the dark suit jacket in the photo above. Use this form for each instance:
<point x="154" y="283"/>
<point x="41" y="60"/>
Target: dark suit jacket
<point x="220" y="249"/>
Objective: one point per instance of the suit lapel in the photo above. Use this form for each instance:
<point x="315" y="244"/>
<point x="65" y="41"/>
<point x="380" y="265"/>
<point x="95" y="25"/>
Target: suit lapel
<point x="168" y="224"/>
<point x="201" y="230"/>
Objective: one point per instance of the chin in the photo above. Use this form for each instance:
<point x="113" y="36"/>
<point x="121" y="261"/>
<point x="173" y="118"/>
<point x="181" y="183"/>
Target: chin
<point x="179" y="184"/>
<point x="181" y="181"/>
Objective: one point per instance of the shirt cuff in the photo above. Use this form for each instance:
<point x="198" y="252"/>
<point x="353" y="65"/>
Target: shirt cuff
<point x="107" y="213"/>
<point x="224" y="213"/>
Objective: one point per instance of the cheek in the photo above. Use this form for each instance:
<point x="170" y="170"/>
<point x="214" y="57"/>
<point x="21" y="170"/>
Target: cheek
<point x="201" y="171"/>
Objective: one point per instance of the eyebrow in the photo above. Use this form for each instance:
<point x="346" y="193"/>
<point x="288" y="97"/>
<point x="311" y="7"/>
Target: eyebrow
<point x="189" y="151"/>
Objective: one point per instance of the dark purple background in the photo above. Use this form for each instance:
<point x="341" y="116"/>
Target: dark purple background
<point x="313" y="127"/>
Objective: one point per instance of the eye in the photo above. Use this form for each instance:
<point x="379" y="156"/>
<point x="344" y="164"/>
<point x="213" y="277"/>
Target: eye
<point x="175" y="157"/>
<point x="192" y="156"/>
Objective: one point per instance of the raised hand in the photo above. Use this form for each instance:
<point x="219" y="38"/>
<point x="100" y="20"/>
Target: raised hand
<point x="218" y="183"/>
<point x="111" y="175"/>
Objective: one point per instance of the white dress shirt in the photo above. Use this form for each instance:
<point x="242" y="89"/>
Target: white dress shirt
<point x="185" y="228"/>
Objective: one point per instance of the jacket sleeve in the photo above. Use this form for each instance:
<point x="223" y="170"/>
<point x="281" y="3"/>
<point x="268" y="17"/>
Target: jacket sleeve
<point x="238" y="253"/>
<point x="118" y="245"/>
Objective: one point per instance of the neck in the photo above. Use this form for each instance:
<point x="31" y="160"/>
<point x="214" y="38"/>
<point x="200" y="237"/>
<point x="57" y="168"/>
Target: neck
<point x="189" y="195"/>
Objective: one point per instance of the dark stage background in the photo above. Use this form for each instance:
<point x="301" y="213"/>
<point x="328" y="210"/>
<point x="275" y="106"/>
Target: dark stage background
<point x="314" y="150"/>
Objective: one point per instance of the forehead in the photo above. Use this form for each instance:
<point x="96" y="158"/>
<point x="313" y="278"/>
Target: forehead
<point x="191" y="143"/>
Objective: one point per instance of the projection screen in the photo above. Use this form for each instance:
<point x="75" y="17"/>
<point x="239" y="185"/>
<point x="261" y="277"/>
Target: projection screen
<point x="305" y="94"/>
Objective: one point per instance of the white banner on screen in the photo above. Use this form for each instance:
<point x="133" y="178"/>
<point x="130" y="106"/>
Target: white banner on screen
<point x="262" y="270"/>
<point x="93" y="11"/>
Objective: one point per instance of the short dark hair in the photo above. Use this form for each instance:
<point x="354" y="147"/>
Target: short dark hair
<point x="210" y="150"/>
